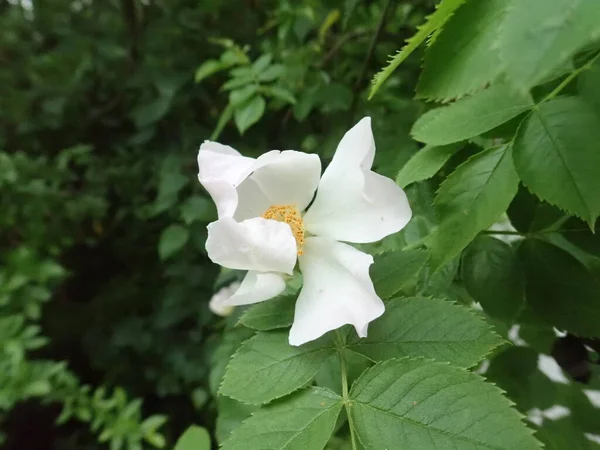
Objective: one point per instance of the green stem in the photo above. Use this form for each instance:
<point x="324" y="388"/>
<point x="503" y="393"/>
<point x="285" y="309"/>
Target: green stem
<point x="570" y="78"/>
<point x="515" y="233"/>
<point x="345" y="395"/>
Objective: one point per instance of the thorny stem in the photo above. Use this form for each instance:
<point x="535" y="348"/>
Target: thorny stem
<point x="345" y="396"/>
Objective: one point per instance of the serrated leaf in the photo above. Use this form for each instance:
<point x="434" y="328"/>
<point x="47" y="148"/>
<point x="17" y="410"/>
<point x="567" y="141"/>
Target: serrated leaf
<point x="471" y="116"/>
<point x="433" y="328"/>
<point x="463" y="58"/>
<point x="231" y="415"/>
<point x="587" y="84"/>
<point x="249" y="113"/>
<point x="393" y="272"/>
<point x="194" y="438"/>
<point x="539" y="35"/>
<point x="172" y="239"/>
<point x="276" y="313"/>
<point x="267" y="367"/>
<point x="471" y="200"/>
<point x="560" y="289"/>
<point x="493" y="277"/>
<point x="434" y="22"/>
<point x="303" y="421"/>
<point x="421" y="404"/>
<point x="556" y="155"/>
<point x="425" y="163"/>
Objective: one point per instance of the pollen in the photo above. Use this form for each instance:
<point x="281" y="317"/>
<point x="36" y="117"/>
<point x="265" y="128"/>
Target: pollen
<point x="290" y="215"/>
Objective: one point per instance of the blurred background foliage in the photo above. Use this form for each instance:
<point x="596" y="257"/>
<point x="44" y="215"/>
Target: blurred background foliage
<point x="106" y="339"/>
<point x="104" y="281"/>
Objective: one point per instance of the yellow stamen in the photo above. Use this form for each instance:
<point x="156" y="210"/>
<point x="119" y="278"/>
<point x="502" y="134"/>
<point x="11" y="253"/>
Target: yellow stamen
<point x="290" y="215"/>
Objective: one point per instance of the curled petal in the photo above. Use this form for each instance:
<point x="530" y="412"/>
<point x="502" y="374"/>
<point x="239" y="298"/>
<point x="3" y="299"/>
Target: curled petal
<point x="354" y="204"/>
<point x="256" y="287"/>
<point x="254" y="244"/>
<point x="279" y="178"/>
<point x="220" y="170"/>
<point x="337" y="291"/>
<point x="217" y="301"/>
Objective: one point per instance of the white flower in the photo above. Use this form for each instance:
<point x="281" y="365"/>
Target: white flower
<point x="218" y="302"/>
<point x="263" y="227"/>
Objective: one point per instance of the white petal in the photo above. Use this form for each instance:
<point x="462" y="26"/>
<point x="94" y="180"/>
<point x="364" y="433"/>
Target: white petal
<point x="257" y="287"/>
<point x="354" y="204"/>
<point x="254" y="244"/>
<point x="279" y="178"/>
<point x="217" y="301"/>
<point x="220" y="170"/>
<point x="337" y="290"/>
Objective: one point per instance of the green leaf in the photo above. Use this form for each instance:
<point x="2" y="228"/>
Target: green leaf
<point x="208" y="68"/>
<point x="421" y="404"/>
<point x="303" y="421"/>
<point x="231" y="415"/>
<point x="394" y="272"/>
<point x="281" y="94"/>
<point x="276" y="313"/>
<point x="248" y="114"/>
<point x="493" y="277"/>
<point x="261" y="64"/>
<point x="434" y="22"/>
<point x="471" y="200"/>
<point x="462" y="59"/>
<point x="198" y="208"/>
<point x="266" y="367"/>
<point x="433" y="328"/>
<point x="540" y="35"/>
<point x="239" y="96"/>
<point x="172" y="239"/>
<point x="560" y="289"/>
<point x="588" y="82"/>
<point x="425" y="163"/>
<point x="194" y="438"/>
<point x="556" y="155"/>
<point x="272" y="73"/>
<point x="471" y="116"/>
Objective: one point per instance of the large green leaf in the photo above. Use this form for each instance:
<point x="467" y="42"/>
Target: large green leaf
<point x="560" y="289"/>
<point x="425" y="163"/>
<point x="493" y="277"/>
<point x="303" y="421"/>
<point x="434" y="22"/>
<point x="588" y="82"/>
<point x="267" y="367"/>
<point x="172" y="239"/>
<point x="421" y="404"/>
<point x="194" y="438"/>
<point x="433" y="328"/>
<point x="470" y="200"/>
<point x="463" y="58"/>
<point x="556" y="155"/>
<point x="470" y="116"/>
<point x="539" y="35"/>
<point x="397" y="271"/>
<point x="272" y="314"/>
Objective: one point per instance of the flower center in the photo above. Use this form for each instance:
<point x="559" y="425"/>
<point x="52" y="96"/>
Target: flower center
<point x="290" y="215"/>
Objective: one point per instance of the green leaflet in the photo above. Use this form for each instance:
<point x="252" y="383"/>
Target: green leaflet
<point x="303" y="421"/>
<point x="493" y="277"/>
<point x="433" y="328"/>
<point x="172" y="239"/>
<point x="560" y="289"/>
<point x="556" y="156"/>
<point x="539" y="35"/>
<point x="270" y="315"/>
<point x="434" y="22"/>
<point x="397" y="271"/>
<point x="267" y="367"/>
<point x="194" y="438"/>
<point x="249" y="113"/>
<point x="470" y="200"/>
<point x="471" y="116"/>
<point x="425" y="163"/>
<point x="421" y="404"/>
<point x="462" y="59"/>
